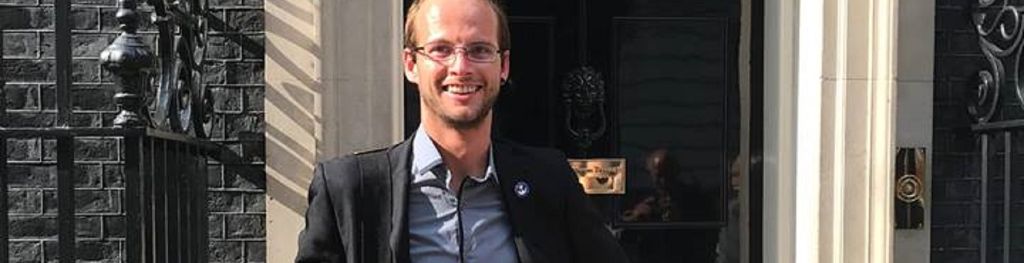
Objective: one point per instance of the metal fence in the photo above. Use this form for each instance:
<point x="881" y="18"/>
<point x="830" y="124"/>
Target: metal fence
<point x="998" y="119"/>
<point x="164" y="158"/>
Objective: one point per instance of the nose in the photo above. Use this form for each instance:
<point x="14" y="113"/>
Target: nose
<point x="460" y="64"/>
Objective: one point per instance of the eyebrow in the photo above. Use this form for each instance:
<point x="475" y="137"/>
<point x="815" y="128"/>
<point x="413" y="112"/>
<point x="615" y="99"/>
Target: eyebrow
<point x="441" y="41"/>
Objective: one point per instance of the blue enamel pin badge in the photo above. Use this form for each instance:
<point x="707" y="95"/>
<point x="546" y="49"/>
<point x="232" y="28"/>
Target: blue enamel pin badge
<point x="522" y="189"/>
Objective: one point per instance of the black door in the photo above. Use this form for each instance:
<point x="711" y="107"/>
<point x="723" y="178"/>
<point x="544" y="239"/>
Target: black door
<point x="651" y="81"/>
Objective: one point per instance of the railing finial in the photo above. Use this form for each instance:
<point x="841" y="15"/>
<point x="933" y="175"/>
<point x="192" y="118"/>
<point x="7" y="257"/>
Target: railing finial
<point x="131" y="61"/>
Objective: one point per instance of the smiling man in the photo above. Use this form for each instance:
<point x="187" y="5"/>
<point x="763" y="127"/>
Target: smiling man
<point x="450" y="193"/>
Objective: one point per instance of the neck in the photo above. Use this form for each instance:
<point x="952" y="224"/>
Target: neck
<point x="464" y="151"/>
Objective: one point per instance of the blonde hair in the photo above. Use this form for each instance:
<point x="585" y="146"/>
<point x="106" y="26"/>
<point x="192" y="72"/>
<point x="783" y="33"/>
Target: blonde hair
<point x="504" y="35"/>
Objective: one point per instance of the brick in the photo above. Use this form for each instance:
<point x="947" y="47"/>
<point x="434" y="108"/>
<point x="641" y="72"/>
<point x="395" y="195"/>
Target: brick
<point x="244" y="73"/>
<point x="88" y="176"/>
<point x="217" y="129"/>
<point x="95" y="2"/>
<point x="90" y="45"/>
<point x="39" y="18"/>
<point x="954" y="256"/>
<point x="26" y="251"/>
<point x="50" y="201"/>
<point x="32" y="119"/>
<point x="88" y="250"/>
<point x="953" y="20"/>
<point x="254" y="99"/>
<point x="244" y="177"/>
<point x="32" y="176"/>
<point x="85" y="70"/>
<point x="255" y="203"/>
<point x="220" y="47"/>
<point x="224" y="3"/>
<point x="253" y="47"/>
<point x="253" y="3"/>
<point x="84" y="18"/>
<point x="221" y="251"/>
<point x="47" y="43"/>
<point x="97" y="201"/>
<point x="113" y="226"/>
<point x="226" y="99"/>
<point x="214" y="72"/>
<point x="215" y="226"/>
<point x="240" y="125"/>
<point x="253" y="149"/>
<point x="215" y="176"/>
<point x="21" y="45"/>
<point x="24" y="202"/>
<point x="19" y="2"/>
<point x="48" y="96"/>
<point x="113" y="175"/>
<point x="245" y="226"/>
<point x="104" y="149"/>
<point x="99" y="98"/>
<point x="33" y="227"/>
<point x="221" y="201"/>
<point x="93" y="120"/>
<point x="23" y="150"/>
<point x="245" y="20"/>
<point x="30" y="69"/>
<point x="962" y="42"/>
<point x="255" y="251"/>
<point x="88" y="226"/>
<point x="22" y="97"/>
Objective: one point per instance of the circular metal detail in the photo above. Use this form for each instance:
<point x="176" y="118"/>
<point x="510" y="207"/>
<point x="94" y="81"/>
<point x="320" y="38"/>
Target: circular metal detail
<point x="909" y="188"/>
<point x="181" y="104"/>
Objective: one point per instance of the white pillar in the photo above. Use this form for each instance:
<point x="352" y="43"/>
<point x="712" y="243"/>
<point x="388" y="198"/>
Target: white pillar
<point x="829" y="130"/>
<point x="334" y="86"/>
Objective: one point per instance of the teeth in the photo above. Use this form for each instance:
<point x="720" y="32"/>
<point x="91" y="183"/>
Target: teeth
<point x="461" y="89"/>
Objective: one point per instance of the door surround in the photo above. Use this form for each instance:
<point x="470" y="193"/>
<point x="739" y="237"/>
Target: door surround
<point x="301" y="128"/>
<point x="827" y="172"/>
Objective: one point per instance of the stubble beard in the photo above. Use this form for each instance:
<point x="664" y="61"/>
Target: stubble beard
<point x="470" y="121"/>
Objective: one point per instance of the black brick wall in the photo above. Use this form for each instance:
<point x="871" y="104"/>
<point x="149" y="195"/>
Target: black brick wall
<point x="956" y="184"/>
<point x="235" y="75"/>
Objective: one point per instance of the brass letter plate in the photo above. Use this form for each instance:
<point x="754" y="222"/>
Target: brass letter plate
<point x="601" y="176"/>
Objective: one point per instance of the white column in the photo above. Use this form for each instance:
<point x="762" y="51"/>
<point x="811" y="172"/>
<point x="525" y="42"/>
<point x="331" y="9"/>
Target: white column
<point x="334" y="86"/>
<point x="829" y="128"/>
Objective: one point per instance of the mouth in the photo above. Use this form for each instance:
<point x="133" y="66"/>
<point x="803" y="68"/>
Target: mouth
<point x="461" y="89"/>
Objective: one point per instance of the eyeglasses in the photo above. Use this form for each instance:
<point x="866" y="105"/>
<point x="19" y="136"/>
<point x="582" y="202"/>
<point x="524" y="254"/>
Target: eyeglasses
<point x="445" y="53"/>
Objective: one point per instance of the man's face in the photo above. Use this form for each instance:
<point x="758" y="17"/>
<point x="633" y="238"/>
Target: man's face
<point x="458" y="92"/>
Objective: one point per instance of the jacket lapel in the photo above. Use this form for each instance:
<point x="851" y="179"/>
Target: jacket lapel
<point x="399" y="159"/>
<point x="513" y="172"/>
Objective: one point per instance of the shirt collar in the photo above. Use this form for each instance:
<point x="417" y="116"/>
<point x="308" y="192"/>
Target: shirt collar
<point x="425" y="157"/>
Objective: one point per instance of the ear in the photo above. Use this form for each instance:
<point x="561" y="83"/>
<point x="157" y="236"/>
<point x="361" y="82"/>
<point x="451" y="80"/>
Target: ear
<point x="505" y="64"/>
<point x="409" y="65"/>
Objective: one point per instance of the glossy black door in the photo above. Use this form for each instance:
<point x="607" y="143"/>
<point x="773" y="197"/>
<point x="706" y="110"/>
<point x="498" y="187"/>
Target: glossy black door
<point x="671" y="108"/>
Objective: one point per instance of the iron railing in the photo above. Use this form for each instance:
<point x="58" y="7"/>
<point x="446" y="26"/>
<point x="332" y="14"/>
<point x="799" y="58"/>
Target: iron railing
<point x="161" y="138"/>
<point x="998" y="125"/>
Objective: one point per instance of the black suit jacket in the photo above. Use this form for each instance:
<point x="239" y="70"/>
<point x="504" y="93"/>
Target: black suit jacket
<point x="354" y="217"/>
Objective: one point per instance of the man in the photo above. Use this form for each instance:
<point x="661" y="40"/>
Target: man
<point x="450" y="193"/>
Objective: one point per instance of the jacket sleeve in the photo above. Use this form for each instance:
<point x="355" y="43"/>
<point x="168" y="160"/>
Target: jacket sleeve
<point x="590" y="240"/>
<point x="320" y="240"/>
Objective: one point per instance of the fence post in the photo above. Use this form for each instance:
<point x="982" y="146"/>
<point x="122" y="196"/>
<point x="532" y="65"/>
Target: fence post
<point x="131" y="61"/>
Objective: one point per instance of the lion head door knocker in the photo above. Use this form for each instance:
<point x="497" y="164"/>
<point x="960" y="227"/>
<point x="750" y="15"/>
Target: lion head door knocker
<point x="601" y="176"/>
<point x="583" y="93"/>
